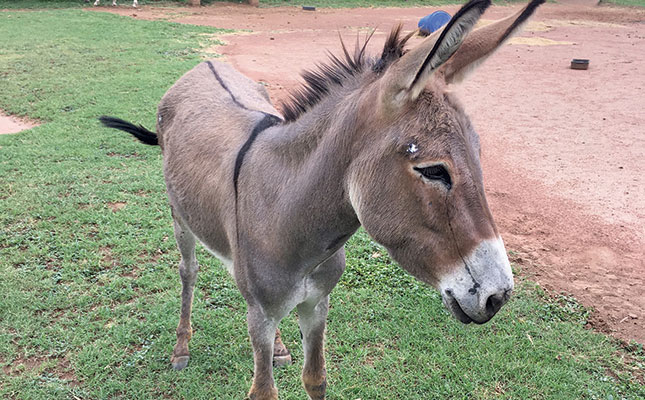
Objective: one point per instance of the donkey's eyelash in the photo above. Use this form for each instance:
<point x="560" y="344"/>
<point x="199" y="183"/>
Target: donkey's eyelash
<point x="436" y="173"/>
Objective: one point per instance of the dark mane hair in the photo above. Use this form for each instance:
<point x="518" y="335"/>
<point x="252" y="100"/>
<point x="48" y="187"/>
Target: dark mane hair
<point x="338" y="69"/>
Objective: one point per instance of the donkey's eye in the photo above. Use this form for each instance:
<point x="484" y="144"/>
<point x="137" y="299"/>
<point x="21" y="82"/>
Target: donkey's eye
<point x="436" y="173"/>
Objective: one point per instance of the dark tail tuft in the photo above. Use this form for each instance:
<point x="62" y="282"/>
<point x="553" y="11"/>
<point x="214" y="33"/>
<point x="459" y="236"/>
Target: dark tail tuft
<point x="139" y="132"/>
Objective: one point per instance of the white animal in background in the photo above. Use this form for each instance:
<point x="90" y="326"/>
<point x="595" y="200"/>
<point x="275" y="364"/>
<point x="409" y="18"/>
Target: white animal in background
<point x="135" y="3"/>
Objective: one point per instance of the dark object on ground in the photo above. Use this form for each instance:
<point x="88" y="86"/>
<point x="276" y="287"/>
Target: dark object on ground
<point x="579" y="63"/>
<point x="433" y="22"/>
<point x="309" y="8"/>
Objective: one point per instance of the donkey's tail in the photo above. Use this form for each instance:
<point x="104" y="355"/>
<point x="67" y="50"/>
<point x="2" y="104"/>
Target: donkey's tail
<point x="139" y="132"/>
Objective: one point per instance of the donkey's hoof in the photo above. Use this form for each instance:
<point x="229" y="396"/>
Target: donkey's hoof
<point x="282" y="360"/>
<point x="317" y="392"/>
<point x="179" y="363"/>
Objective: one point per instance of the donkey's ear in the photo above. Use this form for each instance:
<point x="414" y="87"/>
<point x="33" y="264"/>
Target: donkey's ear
<point x="407" y="77"/>
<point x="482" y="42"/>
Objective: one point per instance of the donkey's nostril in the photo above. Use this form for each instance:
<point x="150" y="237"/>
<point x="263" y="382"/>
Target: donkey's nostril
<point x="495" y="302"/>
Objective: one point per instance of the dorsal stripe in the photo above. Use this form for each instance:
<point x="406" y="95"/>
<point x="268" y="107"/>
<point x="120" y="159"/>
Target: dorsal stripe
<point x="268" y="121"/>
<point x="221" y="82"/>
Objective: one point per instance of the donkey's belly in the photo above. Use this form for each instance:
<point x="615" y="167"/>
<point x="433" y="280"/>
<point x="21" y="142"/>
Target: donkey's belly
<point x="209" y="230"/>
<point x="227" y="261"/>
<point x="206" y="211"/>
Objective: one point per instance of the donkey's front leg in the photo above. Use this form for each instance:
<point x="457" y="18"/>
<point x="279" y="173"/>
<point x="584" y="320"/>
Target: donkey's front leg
<point x="262" y="330"/>
<point x="312" y="319"/>
<point x="188" y="268"/>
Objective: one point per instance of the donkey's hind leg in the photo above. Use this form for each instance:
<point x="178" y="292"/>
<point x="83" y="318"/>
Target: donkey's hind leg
<point x="281" y="355"/>
<point x="188" y="272"/>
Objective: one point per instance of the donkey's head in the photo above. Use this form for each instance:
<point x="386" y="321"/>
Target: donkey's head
<point x="416" y="182"/>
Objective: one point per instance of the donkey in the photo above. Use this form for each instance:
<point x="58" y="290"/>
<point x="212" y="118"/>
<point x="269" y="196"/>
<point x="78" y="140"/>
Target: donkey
<point x="377" y="142"/>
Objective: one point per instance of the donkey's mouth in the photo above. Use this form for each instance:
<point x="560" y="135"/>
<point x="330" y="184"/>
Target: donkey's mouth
<point x="455" y="309"/>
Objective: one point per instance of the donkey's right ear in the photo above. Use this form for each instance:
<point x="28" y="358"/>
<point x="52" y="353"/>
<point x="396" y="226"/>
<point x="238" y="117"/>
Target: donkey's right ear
<point x="405" y="78"/>
<point x="483" y="42"/>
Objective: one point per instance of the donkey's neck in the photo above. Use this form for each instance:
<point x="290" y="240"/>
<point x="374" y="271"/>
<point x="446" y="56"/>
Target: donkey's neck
<point x="329" y="122"/>
<point x="315" y="152"/>
<point x="297" y="174"/>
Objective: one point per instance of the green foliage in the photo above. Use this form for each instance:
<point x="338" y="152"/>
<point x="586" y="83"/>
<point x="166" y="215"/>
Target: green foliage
<point x="90" y="292"/>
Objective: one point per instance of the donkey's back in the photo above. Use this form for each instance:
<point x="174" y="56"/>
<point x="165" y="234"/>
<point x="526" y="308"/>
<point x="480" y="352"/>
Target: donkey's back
<point x="202" y="122"/>
<point x="210" y="102"/>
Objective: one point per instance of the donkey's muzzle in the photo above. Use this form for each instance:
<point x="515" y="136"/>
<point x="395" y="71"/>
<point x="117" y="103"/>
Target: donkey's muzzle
<point x="496" y="301"/>
<point x="472" y="312"/>
<point x="477" y="289"/>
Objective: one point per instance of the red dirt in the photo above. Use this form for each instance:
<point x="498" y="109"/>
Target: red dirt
<point x="563" y="150"/>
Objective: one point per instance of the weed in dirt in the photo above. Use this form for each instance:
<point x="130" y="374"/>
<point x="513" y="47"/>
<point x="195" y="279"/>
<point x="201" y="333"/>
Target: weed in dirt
<point x="90" y="292"/>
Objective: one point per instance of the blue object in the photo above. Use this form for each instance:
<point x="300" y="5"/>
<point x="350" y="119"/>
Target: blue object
<point x="433" y="22"/>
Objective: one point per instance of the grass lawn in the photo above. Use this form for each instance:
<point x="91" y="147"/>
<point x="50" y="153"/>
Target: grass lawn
<point x="635" y="3"/>
<point x="11" y="4"/>
<point x="56" y="4"/>
<point x="90" y="292"/>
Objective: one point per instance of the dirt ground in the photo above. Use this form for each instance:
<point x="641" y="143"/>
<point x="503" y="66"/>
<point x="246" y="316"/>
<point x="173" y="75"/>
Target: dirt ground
<point x="563" y="150"/>
<point x="11" y="124"/>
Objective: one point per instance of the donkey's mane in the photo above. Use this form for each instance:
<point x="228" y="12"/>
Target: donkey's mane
<point x="338" y="70"/>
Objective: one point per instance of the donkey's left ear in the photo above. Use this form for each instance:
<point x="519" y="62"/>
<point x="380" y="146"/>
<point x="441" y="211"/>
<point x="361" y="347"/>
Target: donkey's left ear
<point x="483" y="42"/>
<point x="407" y="77"/>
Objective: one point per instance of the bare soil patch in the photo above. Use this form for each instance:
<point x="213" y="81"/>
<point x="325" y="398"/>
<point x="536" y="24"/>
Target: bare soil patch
<point x="11" y="124"/>
<point x="58" y="366"/>
<point x="563" y="150"/>
<point x="116" y="205"/>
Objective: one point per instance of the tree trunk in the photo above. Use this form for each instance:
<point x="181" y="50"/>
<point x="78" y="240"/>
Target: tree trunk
<point x="196" y="3"/>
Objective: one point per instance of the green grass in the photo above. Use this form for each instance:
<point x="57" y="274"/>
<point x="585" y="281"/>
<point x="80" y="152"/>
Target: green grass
<point x="90" y="293"/>
<point x="11" y="4"/>
<point x="46" y="4"/>
<point x="26" y="4"/>
<point x="634" y="3"/>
